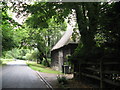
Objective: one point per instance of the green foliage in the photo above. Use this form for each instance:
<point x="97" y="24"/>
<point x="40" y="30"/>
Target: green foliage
<point x="16" y="53"/>
<point x="8" y="54"/>
<point x="0" y="62"/>
<point x="5" y="61"/>
<point x="111" y="28"/>
<point x="75" y="35"/>
<point x="8" y="25"/>
<point x="100" y="39"/>
<point x="99" y="29"/>
<point x="44" y="25"/>
<point x="7" y="37"/>
<point x="42" y="12"/>
<point x="44" y="62"/>
<point x="28" y="56"/>
<point x="98" y="24"/>
<point x="33" y="55"/>
<point x="62" y="80"/>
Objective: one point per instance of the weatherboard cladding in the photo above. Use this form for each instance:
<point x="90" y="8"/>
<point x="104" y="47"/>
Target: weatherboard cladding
<point x="59" y="55"/>
<point x="63" y="47"/>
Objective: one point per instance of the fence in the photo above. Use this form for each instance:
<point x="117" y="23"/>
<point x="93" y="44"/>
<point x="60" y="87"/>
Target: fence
<point x="104" y="72"/>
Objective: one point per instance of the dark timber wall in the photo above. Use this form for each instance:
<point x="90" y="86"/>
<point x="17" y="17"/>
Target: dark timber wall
<point x="59" y="55"/>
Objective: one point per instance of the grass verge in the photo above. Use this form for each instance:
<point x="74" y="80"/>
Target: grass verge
<point x="41" y="68"/>
<point x="5" y="61"/>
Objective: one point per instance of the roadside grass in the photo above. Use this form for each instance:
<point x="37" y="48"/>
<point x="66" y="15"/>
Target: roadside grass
<point x="5" y="61"/>
<point x="41" y="68"/>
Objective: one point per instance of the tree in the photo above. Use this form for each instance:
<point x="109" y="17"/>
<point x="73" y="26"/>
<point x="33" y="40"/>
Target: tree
<point x="97" y="21"/>
<point x="7" y="29"/>
<point x="111" y="27"/>
<point x="13" y="34"/>
<point x="43" y="39"/>
<point x="89" y="16"/>
<point x="45" y="31"/>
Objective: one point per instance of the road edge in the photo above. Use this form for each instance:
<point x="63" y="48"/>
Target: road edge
<point x="45" y="81"/>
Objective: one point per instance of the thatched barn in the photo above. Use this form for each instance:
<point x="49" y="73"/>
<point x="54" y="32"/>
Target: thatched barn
<point x="64" y="47"/>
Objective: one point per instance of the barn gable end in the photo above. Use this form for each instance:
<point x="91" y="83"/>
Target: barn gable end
<point x="64" y="47"/>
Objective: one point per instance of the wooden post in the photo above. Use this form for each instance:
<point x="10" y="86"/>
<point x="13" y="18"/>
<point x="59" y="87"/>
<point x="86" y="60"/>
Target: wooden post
<point x="79" y="71"/>
<point x="101" y="73"/>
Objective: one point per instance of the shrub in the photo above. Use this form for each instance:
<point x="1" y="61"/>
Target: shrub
<point x="0" y="62"/>
<point x="28" y="56"/>
<point x="16" y="53"/>
<point x="44" y="61"/>
<point x="9" y="55"/>
<point x="33" y="55"/>
<point x="62" y="79"/>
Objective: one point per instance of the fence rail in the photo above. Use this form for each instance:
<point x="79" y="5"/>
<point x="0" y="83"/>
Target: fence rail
<point x="103" y="72"/>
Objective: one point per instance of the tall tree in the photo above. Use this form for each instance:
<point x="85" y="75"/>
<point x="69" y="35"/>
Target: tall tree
<point x="89" y="16"/>
<point x="7" y="27"/>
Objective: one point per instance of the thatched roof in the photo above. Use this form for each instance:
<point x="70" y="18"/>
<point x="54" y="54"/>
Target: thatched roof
<point x="65" y="39"/>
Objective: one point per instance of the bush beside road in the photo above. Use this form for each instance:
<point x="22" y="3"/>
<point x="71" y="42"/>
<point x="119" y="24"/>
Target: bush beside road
<point x="5" y="61"/>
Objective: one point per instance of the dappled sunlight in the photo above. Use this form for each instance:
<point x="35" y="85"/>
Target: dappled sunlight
<point x="41" y="68"/>
<point x="78" y="40"/>
<point x="17" y="62"/>
<point x="36" y="65"/>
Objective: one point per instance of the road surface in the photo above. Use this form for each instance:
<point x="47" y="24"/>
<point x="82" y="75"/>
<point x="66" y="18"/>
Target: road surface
<point x="17" y="74"/>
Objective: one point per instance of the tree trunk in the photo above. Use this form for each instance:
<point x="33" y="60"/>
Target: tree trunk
<point x="87" y="22"/>
<point x="43" y="56"/>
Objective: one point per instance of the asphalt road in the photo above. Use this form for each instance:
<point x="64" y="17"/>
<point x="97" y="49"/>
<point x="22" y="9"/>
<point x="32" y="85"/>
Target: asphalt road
<point x="18" y="75"/>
